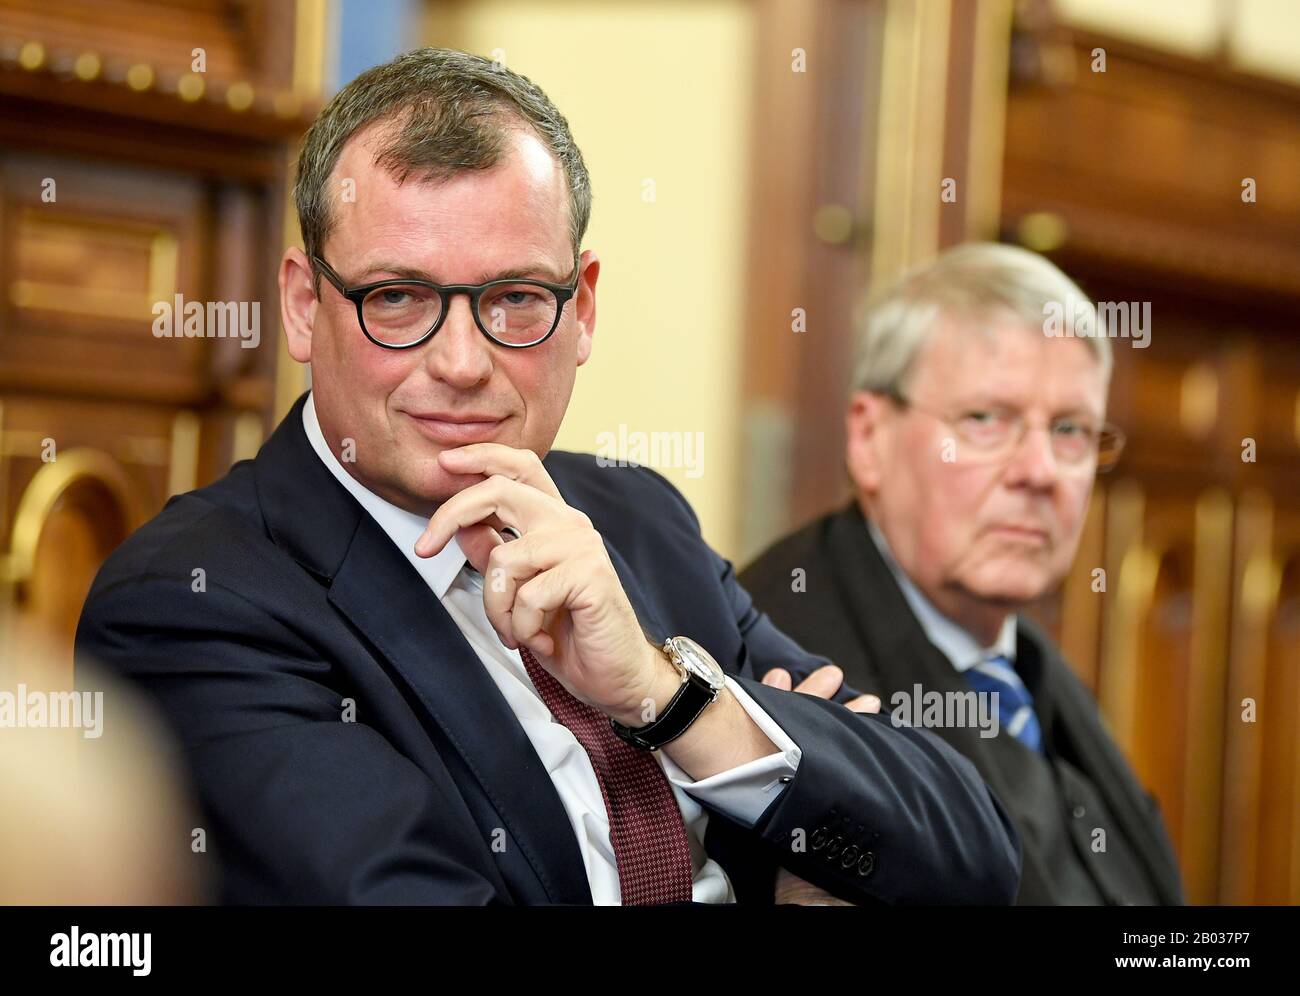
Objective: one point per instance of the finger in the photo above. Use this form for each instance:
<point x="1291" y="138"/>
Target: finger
<point x="779" y="677"/>
<point x="864" y="703"/>
<point x="824" y="682"/>
<point x="547" y="594"/>
<point x="535" y="600"/>
<point x="477" y="543"/>
<point x="489" y="459"/>
<point x="511" y="564"/>
<point x="513" y="504"/>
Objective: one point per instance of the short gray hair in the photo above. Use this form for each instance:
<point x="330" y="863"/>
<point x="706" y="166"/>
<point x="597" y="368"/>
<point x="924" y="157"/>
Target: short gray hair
<point x="451" y="113"/>
<point x="968" y="283"/>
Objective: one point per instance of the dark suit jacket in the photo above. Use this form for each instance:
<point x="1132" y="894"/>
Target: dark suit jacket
<point x="854" y="613"/>
<point x="307" y="602"/>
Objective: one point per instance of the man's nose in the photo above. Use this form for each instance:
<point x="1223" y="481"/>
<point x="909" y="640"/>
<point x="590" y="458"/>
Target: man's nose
<point x="1033" y="462"/>
<point x="459" y="354"/>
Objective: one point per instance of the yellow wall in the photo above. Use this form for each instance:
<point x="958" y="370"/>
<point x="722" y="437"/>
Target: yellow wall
<point x="1262" y="36"/>
<point x="1187" y="26"/>
<point x="1266" y="38"/>
<point x="653" y="91"/>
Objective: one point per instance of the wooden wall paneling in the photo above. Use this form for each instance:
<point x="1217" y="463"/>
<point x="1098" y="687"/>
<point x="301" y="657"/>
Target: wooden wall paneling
<point x="1072" y="614"/>
<point x="73" y="512"/>
<point x="1261" y="817"/>
<point x="168" y="181"/>
<point x="812" y="182"/>
<point x="1253" y="588"/>
<point x="1279" y="880"/>
<point x="849" y="162"/>
<point x="1131" y="180"/>
<point x="1142" y="165"/>
<point x="1162" y="675"/>
<point x="836" y="258"/>
<point x="240" y="40"/>
<point x="82" y="274"/>
<point x="1275" y="402"/>
<point x="1207" y="675"/>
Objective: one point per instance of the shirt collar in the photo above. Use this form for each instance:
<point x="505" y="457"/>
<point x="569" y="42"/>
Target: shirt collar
<point x="402" y="527"/>
<point x="954" y="642"/>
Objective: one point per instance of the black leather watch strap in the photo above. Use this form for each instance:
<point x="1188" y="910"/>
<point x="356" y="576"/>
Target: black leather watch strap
<point x="682" y="710"/>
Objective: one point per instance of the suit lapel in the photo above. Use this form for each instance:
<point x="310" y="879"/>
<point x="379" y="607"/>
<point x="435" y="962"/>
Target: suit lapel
<point x="897" y="647"/>
<point x="387" y="600"/>
<point x="381" y="594"/>
<point x="901" y="654"/>
<point x="1088" y="746"/>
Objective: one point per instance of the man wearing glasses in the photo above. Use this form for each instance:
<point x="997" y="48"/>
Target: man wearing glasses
<point x="384" y="701"/>
<point x="973" y="440"/>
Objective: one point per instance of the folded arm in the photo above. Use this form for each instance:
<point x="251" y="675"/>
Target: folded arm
<point x="933" y="830"/>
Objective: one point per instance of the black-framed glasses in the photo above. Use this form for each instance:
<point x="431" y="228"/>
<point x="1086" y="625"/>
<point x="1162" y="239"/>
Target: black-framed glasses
<point x="403" y="313"/>
<point x="995" y="432"/>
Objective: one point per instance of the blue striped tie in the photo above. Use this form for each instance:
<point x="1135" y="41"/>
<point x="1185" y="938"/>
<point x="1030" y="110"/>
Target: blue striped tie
<point x="1015" y="705"/>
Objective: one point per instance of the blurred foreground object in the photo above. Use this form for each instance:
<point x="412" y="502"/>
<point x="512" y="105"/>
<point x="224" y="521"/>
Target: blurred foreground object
<point x="91" y="809"/>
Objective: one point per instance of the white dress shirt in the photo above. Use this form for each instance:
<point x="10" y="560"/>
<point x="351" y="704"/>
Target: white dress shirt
<point x="954" y="642"/>
<point x="743" y="792"/>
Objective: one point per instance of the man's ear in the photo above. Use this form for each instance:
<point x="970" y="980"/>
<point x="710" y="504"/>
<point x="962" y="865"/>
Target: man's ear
<point x="585" y="304"/>
<point x="298" y="303"/>
<point x="864" y="425"/>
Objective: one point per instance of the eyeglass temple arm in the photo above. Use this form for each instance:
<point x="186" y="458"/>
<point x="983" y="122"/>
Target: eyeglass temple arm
<point x="328" y="272"/>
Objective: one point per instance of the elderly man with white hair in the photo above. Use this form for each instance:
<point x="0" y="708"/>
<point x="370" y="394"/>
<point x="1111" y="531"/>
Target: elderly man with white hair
<point x="975" y="429"/>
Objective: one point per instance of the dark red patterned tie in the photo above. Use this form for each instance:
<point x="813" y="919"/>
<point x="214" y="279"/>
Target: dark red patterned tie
<point x="645" y="823"/>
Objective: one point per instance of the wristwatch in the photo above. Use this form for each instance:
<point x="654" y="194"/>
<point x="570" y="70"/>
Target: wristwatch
<point x="702" y="680"/>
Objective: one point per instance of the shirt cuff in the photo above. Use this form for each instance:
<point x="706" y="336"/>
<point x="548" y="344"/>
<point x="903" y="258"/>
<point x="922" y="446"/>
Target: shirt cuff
<point x="744" y="792"/>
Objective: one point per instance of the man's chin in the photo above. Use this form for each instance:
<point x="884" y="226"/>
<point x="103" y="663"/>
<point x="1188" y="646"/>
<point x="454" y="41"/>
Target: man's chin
<point x="1013" y="582"/>
<point x="423" y="494"/>
<point x="438" y="486"/>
